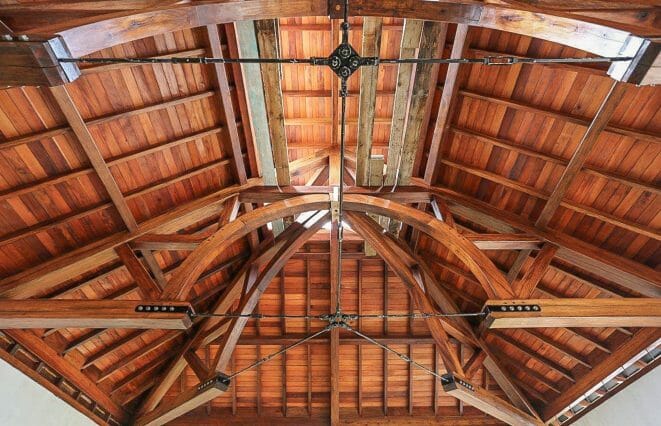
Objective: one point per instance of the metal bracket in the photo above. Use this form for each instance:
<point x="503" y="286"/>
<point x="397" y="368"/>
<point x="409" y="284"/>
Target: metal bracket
<point x="35" y="60"/>
<point x="166" y="309"/>
<point x="512" y="308"/>
<point x="219" y="381"/>
<point x="345" y="60"/>
<point x="336" y="9"/>
<point x="450" y="382"/>
<point x="500" y="60"/>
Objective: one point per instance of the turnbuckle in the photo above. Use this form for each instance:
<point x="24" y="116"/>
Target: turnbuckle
<point x="500" y="60"/>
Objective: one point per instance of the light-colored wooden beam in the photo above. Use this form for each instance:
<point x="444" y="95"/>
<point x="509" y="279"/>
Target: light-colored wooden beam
<point x="39" y="313"/>
<point x="268" y="44"/>
<point x="173" y="242"/>
<point x="504" y="241"/>
<point x="186" y="401"/>
<point x="367" y="104"/>
<point x="400" y="194"/>
<point x="431" y="46"/>
<point x="472" y="394"/>
<point x="446" y="107"/>
<point x="403" y="92"/>
<point x="541" y="313"/>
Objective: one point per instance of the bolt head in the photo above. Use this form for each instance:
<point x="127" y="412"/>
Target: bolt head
<point x="23" y="37"/>
<point x="6" y="37"/>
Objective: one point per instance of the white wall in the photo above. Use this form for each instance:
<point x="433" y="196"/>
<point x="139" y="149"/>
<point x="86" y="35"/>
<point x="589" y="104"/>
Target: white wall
<point x="639" y="404"/>
<point x="23" y="402"/>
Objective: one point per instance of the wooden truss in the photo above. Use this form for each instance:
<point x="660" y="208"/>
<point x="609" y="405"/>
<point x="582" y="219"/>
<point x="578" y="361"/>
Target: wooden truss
<point x="132" y="247"/>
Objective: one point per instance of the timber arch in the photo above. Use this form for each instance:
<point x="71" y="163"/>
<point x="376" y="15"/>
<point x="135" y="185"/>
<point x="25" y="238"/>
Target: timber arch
<point x="479" y="264"/>
<point x="86" y="36"/>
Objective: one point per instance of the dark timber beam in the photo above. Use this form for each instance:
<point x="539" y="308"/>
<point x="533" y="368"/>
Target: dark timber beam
<point x="34" y="313"/>
<point x="590" y="313"/>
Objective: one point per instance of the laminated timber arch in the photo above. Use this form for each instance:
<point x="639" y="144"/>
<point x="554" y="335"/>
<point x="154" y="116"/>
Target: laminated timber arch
<point x="86" y="36"/>
<point x="491" y="279"/>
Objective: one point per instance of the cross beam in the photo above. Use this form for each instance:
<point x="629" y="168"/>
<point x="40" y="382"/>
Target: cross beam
<point x="94" y="314"/>
<point x="538" y="313"/>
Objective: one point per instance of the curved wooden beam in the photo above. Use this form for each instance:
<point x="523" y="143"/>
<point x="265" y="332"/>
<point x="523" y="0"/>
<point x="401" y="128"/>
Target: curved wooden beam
<point x="88" y="35"/>
<point x="478" y="263"/>
<point x="253" y="294"/>
<point x="407" y="264"/>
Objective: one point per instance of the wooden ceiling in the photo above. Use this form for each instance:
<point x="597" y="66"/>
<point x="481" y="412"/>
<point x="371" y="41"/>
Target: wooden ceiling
<point x="109" y="183"/>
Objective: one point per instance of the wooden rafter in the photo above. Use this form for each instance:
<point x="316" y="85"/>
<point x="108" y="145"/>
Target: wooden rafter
<point x="86" y="140"/>
<point x="26" y="283"/>
<point x="648" y="337"/>
<point x="58" y="363"/>
<point x="598" y="124"/>
<point x="431" y="46"/>
<point x="627" y="273"/>
<point x="448" y="98"/>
